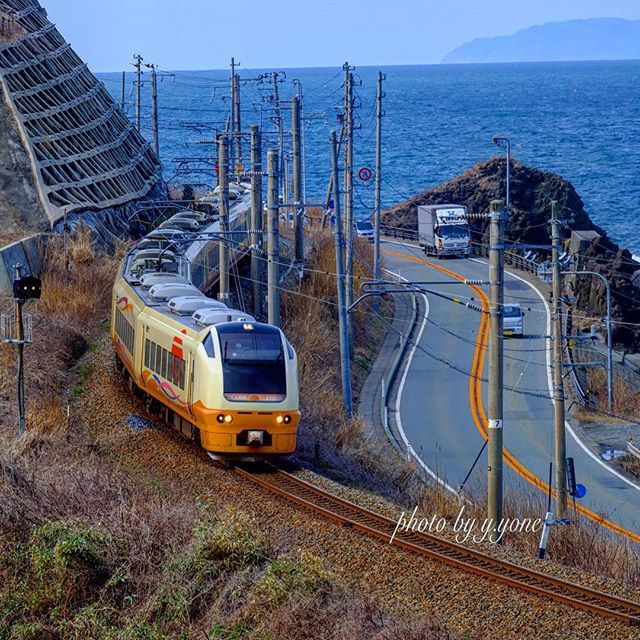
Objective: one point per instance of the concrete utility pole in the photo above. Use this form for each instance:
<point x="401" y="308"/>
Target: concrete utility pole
<point x="376" y="245"/>
<point x="232" y="113"/>
<point x="138" y="66"/>
<point x="154" y="109"/>
<point x="298" y="85"/>
<point x="123" y="85"/>
<point x="348" y="186"/>
<point x="223" y="182"/>
<point x="496" y="340"/>
<point x="345" y="362"/>
<point x="558" y="384"/>
<point x="278" y="116"/>
<point x="273" y="229"/>
<point x="329" y="193"/>
<point x="237" y="133"/>
<point x="500" y="141"/>
<point x="257" y="272"/>
<point x="298" y="220"/>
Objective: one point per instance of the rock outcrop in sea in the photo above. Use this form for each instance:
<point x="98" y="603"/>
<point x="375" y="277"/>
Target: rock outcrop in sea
<point x="532" y="191"/>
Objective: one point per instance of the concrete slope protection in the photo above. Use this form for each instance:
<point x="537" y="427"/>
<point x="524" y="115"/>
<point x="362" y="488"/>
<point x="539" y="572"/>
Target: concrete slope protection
<point x="444" y="393"/>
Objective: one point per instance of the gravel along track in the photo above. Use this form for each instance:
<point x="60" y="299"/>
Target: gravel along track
<point x="469" y="560"/>
<point x="407" y="584"/>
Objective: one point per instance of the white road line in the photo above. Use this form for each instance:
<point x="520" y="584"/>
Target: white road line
<point x="410" y="449"/>
<point x="550" y="382"/>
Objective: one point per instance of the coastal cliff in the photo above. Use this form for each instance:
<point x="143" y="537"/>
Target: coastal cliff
<point x="532" y="191"/>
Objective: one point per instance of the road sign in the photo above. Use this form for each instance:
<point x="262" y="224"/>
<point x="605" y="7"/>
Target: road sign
<point x="581" y="491"/>
<point x="365" y="174"/>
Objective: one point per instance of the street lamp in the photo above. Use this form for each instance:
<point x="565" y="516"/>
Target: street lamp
<point x="504" y="141"/>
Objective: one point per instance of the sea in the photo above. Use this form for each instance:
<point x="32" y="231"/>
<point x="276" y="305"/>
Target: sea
<point x="578" y="119"/>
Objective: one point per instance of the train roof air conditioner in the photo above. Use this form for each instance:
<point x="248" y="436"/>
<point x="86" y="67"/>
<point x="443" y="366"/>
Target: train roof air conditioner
<point x="166" y="291"/>
<point x="152" y="278"/>
<point x="188" y="305"/>
<point x="207" y="317"/>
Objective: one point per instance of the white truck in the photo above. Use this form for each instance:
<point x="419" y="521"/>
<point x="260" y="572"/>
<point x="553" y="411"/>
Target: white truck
<point x="443" y="230"/>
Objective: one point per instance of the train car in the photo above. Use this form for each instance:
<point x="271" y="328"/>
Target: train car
<point x="221" y="378"/>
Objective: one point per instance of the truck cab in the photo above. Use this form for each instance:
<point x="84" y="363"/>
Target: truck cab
<point x="443" y="230"/>
<point x="513" y="320"/>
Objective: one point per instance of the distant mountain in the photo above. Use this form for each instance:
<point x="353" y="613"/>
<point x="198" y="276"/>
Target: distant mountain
<point x="595" y="39"/>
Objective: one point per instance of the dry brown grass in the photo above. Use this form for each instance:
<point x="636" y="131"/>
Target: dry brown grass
<point x="626" y="396"/>
<point x="77" y="280"/>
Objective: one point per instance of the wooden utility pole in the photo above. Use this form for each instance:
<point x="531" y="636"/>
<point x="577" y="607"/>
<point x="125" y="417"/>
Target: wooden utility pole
<point x="154" y="109"/>
<point x="348" y="186"/>
<point x="257" y="261"/>
<point x="223" y="182"/>
<point x="345" y="362"/>
<point x="496" y="345"/>
<point x="558" y="384"/>
<point x="298" y="219"/>
<point x="273" y="284"/>
<point x="123" y="85"/>
<point x="138" y="66"/>
<point x="376" y="246"/>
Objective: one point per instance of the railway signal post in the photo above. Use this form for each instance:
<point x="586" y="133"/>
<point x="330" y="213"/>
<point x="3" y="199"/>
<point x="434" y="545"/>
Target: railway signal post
<point x="24" y="288"/>
<point x="345" y="363"/>
<point x="223" y="182"/>
<point x="257" y="271"/>
<point x="298" y="218"/>
<point x="496" y="346"/>
<point x="558" y="384"/>
<point x="273" y="229"/>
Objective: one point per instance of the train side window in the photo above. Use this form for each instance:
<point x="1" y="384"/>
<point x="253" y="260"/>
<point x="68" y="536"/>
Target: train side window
<point x="146" y="353"/>
<point x="152" y="356"/>
<point x="158" y="359"/>
<point x="208" y="346"/>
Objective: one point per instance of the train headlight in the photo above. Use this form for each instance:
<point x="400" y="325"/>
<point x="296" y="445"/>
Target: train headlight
<point x="279" y="419"/>
<point x="287" y="419"/>
<point x="220" y="418"/>
<point x="228" y="419"/>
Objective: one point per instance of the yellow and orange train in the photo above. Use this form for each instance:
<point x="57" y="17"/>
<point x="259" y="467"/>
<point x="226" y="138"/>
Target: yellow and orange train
<point x="222" y="379"/>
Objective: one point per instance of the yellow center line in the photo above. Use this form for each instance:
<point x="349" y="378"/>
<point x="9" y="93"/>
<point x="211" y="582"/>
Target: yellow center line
<point x="477" y="406"/>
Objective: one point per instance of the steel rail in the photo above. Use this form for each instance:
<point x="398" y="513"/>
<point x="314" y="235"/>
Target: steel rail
<point x="435" y="547"/>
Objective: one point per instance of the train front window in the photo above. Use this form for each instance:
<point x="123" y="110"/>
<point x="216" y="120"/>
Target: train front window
<point x="253" y="363"/>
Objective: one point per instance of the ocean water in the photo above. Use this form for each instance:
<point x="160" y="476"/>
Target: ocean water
<point x="581" y="120"/>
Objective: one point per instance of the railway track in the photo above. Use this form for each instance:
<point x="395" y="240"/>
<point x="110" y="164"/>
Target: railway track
<point x="378" y="526"/>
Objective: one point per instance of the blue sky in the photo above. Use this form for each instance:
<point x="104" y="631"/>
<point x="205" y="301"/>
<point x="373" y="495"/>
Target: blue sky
<point x="204" y="34"/>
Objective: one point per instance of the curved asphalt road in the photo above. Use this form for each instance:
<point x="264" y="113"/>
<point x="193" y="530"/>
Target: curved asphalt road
<point x="434" y="401"/>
